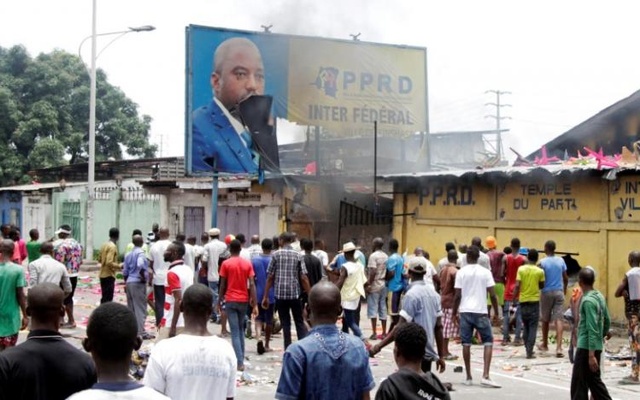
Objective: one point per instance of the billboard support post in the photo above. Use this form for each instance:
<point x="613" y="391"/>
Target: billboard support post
<point x="214" y="197"/>
<point x="317" y="139"/>
<point x="375" y="157"/>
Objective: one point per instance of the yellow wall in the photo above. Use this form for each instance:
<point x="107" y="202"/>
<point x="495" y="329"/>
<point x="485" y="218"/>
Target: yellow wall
<point x="578" y="213"/>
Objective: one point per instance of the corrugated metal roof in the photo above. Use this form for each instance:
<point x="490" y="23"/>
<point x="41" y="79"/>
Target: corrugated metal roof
<point x="38" y="186"/>
<point x="509" y="171"/>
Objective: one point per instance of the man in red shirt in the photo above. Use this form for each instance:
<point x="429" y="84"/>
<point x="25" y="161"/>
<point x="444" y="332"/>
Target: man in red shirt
<point x="234" y="275"/>
<point x="513" y="261"/>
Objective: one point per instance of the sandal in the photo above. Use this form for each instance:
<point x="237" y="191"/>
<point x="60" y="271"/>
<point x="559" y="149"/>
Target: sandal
<point x="450" y="357"/>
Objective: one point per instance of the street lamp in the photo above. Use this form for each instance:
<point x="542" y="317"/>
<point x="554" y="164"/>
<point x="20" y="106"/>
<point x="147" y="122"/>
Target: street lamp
<point x="92" y="118"/>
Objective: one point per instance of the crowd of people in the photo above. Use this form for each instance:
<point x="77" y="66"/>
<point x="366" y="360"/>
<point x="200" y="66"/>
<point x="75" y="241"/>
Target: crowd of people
<point x="227" y="282"/>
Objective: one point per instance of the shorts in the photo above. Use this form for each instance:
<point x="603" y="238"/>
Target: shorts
<point x="377" y="304"/>
<point x="394" y="300"/>
<point x="9" y="341"/>
<point x="551" y="306"/>
<point x="449" y="329"/>
<point x="631" y="307"/>
<point x="481" y="323"/>
<point x="265" y="316"/>
<point x="499" y="288"/>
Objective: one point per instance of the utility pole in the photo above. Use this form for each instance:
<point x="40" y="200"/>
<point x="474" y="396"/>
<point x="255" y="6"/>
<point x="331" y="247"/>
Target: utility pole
<point x="161" y="143"/>
<point x="498" y="117"/>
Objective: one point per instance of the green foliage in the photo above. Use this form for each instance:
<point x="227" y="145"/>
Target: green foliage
<point x="44" y="115"/>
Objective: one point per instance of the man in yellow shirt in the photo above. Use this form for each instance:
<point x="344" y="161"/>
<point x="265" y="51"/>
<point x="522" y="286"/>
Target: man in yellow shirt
<point x="529" y="282"/>
<point x="109" y="265"/>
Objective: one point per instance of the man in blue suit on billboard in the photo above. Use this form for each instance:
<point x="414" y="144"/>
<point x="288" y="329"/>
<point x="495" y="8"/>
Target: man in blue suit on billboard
<point x="234" y="131"/>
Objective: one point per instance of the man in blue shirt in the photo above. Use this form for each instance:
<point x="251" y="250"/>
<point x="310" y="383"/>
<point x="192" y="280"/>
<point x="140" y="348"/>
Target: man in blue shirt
<point x="395" y="269"/>
<point x="265" y="315"/>
<point x="421" y="304"/>
<point x="134" y="271"/>
<point x="340" y="359"/>
<point x="220" y="138"/>
<point x="552" y="298"/>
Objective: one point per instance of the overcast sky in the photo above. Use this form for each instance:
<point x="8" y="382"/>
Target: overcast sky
<point x="563" y="61"/>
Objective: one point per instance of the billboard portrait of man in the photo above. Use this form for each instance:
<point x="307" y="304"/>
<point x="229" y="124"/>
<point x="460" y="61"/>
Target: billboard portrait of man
<point x="234" y="132"/>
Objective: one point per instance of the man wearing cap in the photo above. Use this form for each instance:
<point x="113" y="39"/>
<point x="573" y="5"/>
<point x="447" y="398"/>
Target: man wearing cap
<point x="211" y="257"/>
<point x="69" y="252"/>
<point x="496" y="262"/>
<point x="351" y="285"/>
<point x="421" y="304"/>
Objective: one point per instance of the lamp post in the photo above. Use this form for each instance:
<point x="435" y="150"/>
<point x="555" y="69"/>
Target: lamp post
<point x="92" y="118"/>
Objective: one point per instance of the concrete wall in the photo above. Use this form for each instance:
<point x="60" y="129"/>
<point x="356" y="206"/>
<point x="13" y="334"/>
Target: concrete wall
<point x="127" y="207"/>
<point x="583" y="213"/>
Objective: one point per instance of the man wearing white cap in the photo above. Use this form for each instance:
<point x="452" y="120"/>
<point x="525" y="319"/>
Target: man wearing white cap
<point x="421" y="304"/>
<point x="69" y="252"/>
<point x="210" y="257"/>
<point x="351" y="285"/>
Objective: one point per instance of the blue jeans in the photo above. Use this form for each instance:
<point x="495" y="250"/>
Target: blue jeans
<point x="479" y="322"/>
<point x="235" y="314"/>
<point x="213" y="285"/>
<point x="530" y="316"/>
<point x="506" y="317"/>
<point x="350" y="322"/>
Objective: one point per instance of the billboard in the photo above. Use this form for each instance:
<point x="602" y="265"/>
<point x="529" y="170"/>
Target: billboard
<point x="239" y="83"/>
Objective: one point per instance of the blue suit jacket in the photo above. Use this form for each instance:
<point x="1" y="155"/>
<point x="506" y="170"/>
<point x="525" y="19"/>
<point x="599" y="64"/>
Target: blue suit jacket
<point x="213" y="137"/>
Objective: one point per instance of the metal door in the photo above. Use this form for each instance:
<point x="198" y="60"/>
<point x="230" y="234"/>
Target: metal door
<point x="194" y="222"/>
<point x="234" y="220"/>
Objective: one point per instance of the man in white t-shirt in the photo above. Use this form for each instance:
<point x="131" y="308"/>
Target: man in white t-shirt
<point x="322" y="255"/>
<point x="195" y="364"/>
<point x="112" y="334"/>
<point x="473" y="282"/>
<point x="189" y="251"/>
<point x="179" y="278"/>
<point x="158" y="272"/>
<point x="431" y="278"/>
<point x="444" y="261"/>
<point x="483" y="259"/>
<point x="210" y="256"/>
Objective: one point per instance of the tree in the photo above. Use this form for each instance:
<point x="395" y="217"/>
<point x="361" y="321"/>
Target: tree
<point x="44" y="115"/>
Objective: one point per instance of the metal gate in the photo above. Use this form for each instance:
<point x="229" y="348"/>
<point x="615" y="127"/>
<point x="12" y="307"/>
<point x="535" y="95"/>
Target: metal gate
<point x="234" y="220"/>
<point x="194" y="222"/>
<point x="71" y="216"/>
